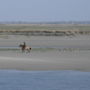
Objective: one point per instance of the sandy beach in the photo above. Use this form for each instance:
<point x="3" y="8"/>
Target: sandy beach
<point x="48" y="53"/>
<point x="49" y="60"/>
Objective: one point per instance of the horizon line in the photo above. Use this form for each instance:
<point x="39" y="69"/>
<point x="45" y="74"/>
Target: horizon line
<point x="45" y="22"/>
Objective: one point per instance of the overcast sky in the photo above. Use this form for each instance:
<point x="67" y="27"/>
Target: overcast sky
<point x="44" y="10"/>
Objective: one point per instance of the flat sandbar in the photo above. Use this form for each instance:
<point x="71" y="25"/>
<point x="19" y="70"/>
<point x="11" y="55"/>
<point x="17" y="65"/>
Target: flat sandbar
<point x="45" y="60"/>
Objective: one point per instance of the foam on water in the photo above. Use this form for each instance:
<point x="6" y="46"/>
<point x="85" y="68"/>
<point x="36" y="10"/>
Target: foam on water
<point x="44" y="80"/>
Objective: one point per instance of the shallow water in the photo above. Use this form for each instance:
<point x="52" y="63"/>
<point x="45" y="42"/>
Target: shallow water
<point x="44" y="80"/>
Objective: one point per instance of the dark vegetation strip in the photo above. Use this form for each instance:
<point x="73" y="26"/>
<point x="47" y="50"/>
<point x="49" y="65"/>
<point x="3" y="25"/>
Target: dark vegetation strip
<point x="44" y="30"/>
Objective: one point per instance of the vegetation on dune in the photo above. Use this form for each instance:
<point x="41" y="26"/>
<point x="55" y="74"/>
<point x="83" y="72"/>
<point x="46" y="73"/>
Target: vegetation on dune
<point x="44" y="29"/>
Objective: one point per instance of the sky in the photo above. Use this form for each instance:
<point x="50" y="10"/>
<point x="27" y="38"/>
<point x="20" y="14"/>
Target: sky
<point x="44" y="10"/>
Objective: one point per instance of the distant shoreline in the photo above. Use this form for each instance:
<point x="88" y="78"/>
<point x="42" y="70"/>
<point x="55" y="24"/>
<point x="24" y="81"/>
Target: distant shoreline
<point x="45" y="29"/>
<point x="46" y="22"/>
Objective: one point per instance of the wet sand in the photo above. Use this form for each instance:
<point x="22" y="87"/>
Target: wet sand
<point x="47" y="59"/>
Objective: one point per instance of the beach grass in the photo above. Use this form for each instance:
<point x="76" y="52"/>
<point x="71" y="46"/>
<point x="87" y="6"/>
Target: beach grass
<point x="44" y="29"/>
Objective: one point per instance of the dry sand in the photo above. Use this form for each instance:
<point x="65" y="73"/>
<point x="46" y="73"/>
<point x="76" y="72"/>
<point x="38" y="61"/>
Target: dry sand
<point x="47" y="59"/>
